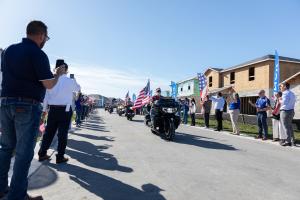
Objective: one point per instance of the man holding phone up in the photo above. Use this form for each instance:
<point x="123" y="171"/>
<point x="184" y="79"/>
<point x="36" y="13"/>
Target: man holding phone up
<point x="59" y="102"/>
<point x="26" y="73"/>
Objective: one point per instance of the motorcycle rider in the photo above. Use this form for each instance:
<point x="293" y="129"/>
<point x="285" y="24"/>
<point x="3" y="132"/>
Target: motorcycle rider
<point x="128" y="105"/>
<point x="154" y="110"/>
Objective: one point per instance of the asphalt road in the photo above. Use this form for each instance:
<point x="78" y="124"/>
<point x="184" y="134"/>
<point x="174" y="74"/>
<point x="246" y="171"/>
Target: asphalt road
<point x="115" y="159"/>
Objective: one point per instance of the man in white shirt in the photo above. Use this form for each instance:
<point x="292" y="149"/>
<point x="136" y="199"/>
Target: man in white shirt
<point x="287" y="112"/>
<point x="219" y="103"/>
<point x="59" y="102"/>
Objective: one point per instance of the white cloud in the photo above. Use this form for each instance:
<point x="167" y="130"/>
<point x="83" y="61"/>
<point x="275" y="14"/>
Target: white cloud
<point x="111" y="82"/>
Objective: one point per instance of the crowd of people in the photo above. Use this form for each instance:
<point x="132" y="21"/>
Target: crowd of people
<point x="84" y="105"/>
<point x="282" y="113"/>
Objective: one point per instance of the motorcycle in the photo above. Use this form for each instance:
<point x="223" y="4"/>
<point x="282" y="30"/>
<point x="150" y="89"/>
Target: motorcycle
<point x="110" y="109"/>
<point x="129" y="113"/>
<point x="120" y="110"/>
<point x="167" y="120"/>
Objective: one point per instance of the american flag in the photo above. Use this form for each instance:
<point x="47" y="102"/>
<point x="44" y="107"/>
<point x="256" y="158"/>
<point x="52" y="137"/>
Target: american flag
<point x="127" y="97"/>
<point x="144" y="97"/>
<point x="202" y="85"/>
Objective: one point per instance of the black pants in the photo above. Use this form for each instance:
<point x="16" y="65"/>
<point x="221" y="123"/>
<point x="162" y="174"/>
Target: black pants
<point x="206" y="119"/>
<point x="219" y="118"/>
<point x="58" y="121"/>
<point x="193" y="123"/>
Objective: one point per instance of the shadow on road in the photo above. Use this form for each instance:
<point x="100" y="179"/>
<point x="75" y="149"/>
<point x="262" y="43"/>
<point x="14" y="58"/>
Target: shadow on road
<point x="43" y="177"/>
<point x="93" y="121"/>
<point x="94" y="137"/>
<point x="199" y="141"/>
<point x="106" y="187"/>
<point x="137" y="120"/>
<point x="93" y="127"/>
<point x="93" y="156"/>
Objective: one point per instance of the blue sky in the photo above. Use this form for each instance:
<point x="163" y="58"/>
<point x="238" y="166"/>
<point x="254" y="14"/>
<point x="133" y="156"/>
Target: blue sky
<point x="115" y="45"/>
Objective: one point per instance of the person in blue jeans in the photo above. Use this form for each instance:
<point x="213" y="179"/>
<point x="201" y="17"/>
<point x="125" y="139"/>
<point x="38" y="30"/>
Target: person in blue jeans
<point x="25" y="76"/>
<point x="262" y="105"/>
<point x="78" y="107"/>
<point x="186" y="110"/>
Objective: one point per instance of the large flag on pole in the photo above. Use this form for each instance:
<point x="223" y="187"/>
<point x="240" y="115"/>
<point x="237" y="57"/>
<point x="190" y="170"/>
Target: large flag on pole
<point x="143" y="97"/>
<point x="202" y="85"/>
<point x="173" y="89"/>
<point x="276" y="73"/>
<point x="127" y="97"/>
<point x="147" y="98"/>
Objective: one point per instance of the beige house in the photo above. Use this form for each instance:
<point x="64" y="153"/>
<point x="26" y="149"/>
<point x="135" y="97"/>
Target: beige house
<point x="250" y="77"/>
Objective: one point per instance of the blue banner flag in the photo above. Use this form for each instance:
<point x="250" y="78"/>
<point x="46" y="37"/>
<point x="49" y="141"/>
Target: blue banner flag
<point x="133" y="97"/>
<point x="173" y="89"/>
<point x="276" y="73"/>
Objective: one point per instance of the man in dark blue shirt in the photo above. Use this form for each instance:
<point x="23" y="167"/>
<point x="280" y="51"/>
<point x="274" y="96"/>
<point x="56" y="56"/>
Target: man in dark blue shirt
<point x="26" y="75"/>
<point x="262" y="105"/>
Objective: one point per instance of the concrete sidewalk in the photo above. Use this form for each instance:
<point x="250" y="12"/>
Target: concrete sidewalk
<point x="35" y="164"/>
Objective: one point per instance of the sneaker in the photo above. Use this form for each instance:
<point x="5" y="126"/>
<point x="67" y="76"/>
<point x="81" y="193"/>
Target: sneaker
<point x="258" y="137"/>
<point x="33" y="198"/>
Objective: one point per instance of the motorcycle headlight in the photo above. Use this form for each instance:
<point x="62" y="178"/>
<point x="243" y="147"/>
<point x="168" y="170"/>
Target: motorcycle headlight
<point x="170" y="110"/>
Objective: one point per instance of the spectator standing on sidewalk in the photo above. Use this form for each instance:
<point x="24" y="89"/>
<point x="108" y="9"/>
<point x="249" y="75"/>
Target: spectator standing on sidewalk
<point x="262" y="105"/>
<point x="207" y="108"/>
<point x="186" y="110"/>
<point x="234" y="103"/>
<point x="26" y="73"/>
<point x="219" y="106"/>
<point x="287" y="113"/>
<point x="278" y="132"/>
<point x="193" y="111"/>
<point x="59" y="101"/>
<point x="78" y="108"/>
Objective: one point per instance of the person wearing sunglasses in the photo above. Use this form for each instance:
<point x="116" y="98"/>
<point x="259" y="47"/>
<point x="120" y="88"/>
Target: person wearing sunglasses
<point x="26" y="75"/>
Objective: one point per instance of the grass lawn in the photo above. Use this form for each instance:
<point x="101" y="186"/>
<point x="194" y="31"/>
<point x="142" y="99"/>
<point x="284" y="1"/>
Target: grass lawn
<point x="247" y="129"/>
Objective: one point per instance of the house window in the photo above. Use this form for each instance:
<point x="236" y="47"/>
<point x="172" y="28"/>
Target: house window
<point x="181" y="89"/>
<point x="210" y="81"/>
<point x="251" y="74"/>
<point x="232" y="78"/>
<point x="189" y="87"/>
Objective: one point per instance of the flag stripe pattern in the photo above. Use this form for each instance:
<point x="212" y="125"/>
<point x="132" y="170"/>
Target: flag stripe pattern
<point x="202" y="85"/>
<point x="143" y="98"/>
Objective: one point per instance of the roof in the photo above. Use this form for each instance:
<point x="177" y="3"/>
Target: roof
<point x="262" y="59"/>
<point x="292" y="77"/>
<point x="213" y="69"/>
<point x="188" y="79"/>
<point x="220" y="89"/>
<point x="216" y="69"/>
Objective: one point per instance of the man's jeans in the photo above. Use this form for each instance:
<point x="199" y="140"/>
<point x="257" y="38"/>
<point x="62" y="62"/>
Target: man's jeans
<point x="262" y="124"/>
<point x="20" y="124"/>
<point x="185" y="117"/>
